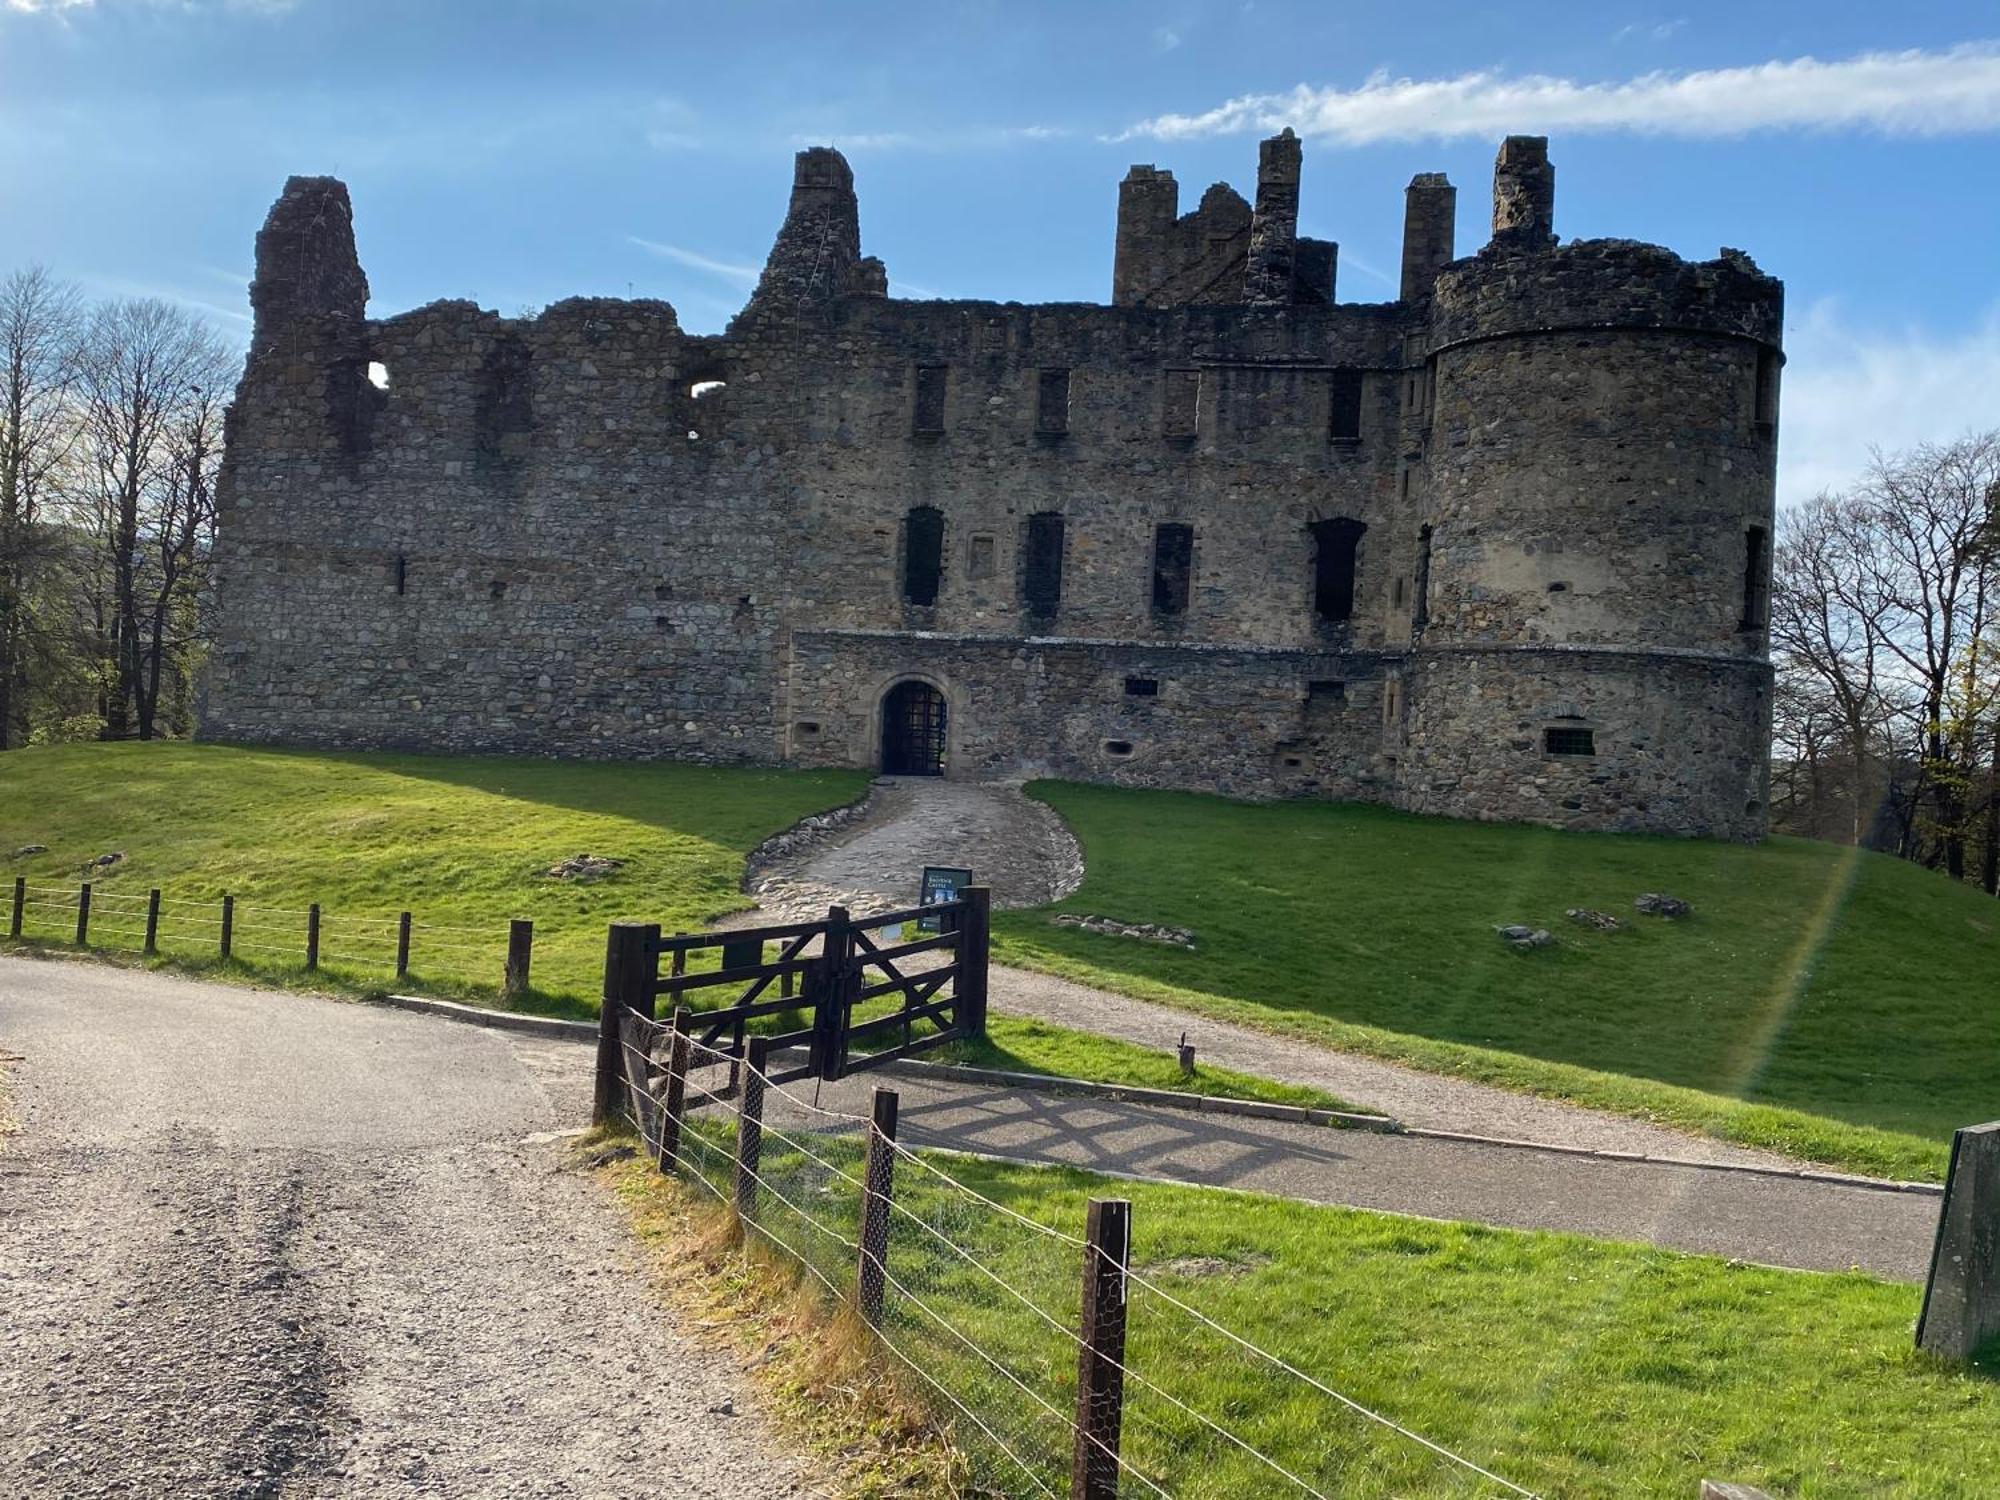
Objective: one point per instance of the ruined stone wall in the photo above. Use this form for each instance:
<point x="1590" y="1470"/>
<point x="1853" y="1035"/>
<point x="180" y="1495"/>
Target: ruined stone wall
<point x="590" y="533"/>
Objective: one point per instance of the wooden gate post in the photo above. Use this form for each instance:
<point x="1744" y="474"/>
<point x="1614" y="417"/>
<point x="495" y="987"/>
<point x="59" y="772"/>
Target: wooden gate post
<point x="829" y="993"/>
<point x="83" y="914"/>
<point x="403" y="945"/>
<point x="20" y="905"/>
<point x="520" y="949"/>
<point x="975" y="941"/>
<point x="228" y="921"/>
<point x="750" y="1125"/>
<point x="627" y="965"/>
<point x="675" y="1111"/>
<point x="153" y="921"/>
<point x="1961" y="1307"/>
<point x="312" y="936"/>
<point x="1100" y="1372"/>
<point x="878" y="1188"/>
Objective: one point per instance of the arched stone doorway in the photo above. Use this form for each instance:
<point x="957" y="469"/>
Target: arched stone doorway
<point x="913" y="724"/>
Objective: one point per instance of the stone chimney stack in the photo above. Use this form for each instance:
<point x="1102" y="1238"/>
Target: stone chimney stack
<point x="1524" y="194"/>
<point x="1430" y="217"/>
<point x="1274" y="222"/>
<point x="306" y="265"/>
<point x="1148" y="201"/>
<point x="815" y="256"/>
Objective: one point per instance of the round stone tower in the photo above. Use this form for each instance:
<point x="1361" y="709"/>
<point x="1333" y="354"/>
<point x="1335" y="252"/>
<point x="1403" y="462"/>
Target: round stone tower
<point x="1590" y="633"/>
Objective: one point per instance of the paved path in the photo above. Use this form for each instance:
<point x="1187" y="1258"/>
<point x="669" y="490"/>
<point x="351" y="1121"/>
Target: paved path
<point x="1024" y="848"/>
<point x="259" y="1244"/>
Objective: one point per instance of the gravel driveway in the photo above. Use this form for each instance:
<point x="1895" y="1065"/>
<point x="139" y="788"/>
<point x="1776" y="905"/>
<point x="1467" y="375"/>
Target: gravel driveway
<point x="265" y="1245"/>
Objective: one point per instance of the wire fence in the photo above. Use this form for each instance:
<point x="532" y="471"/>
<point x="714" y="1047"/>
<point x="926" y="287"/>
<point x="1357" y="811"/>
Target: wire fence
<point x="364" y="945"/>
<point x="999" y="1319"/>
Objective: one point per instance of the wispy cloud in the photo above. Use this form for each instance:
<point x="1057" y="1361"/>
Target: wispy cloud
<point x="985" y="137"/>
<point x="1166" y="39"/>
<point x="733" y="271"/>
<point x="1913" y="93"/>
<point x="191" y="7"/>
<point x="1848" y="389"/>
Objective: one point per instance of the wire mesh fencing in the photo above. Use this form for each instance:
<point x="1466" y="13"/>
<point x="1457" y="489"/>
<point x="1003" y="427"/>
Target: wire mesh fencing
<point x="1059" y="1369"/>
<point x="356" y="945"/>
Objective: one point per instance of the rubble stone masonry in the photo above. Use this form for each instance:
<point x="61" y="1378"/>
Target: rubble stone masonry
<point x="1497" y="549"/>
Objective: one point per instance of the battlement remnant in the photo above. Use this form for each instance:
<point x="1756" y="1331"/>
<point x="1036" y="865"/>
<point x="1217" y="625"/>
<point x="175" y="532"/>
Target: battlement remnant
<point x="1483" y="550"/>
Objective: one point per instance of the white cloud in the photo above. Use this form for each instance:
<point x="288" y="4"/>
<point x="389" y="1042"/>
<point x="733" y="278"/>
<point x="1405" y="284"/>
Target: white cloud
<point x="1847" y="390"/>
<point x="1166" y="39"/>
<point x="744" y="275"/>
<point x="1912" y="93"/>
<point x="191" y="7"/>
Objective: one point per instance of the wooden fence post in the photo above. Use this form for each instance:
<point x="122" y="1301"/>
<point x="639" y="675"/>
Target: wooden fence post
<point x="153" y="921"/>
<point x="312" y="936"/>
<point x="520" y="949"/>
<point x="830" y="993"/>
<point x="677" y="1080"/>
<point x="83" y="914"/>
<point x="403" y="945"/>
<point x="1961" y="1308"/>
<point x="228" y="921"/>
<point x="975" y="939"/>
<point x="627" y="966"/>
<point x="750" y="1125"/>
<point x="878" y="1188"/>
<point x="20" y="905"/>
<point x="1100" y="1372"/>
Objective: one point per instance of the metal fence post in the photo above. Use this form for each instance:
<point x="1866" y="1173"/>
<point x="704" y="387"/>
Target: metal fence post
<point x="676" y="1105"/>
<point x="878" y="1188"/>
<point x="750" y="1125"/>
<point x="975" y="941"/>
<point x="520" y="950"/>
<point x="403" y="945"/>
<point x="20" y="905"/>
<point x="1100" y="1373"/>
<point x="83" y="914"/>
<point x="312" y="936"/>
<point x="153" y="921"/>
<point x="627" y="964"/>
<point x="228" y="921"/>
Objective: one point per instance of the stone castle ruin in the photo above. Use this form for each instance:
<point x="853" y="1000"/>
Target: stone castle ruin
<point x="1499" y="548"/>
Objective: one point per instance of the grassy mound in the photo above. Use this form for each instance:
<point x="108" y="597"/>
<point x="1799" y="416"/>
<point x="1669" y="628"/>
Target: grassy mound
<point x="1834" y="1004"/>
<point x="461" y="842"/>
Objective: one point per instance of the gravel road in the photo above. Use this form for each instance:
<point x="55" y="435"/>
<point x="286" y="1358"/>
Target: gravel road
<point x="272" y="1245"/>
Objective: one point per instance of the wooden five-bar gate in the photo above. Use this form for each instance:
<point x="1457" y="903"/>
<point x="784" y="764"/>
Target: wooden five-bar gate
<point x="805" y="992"/>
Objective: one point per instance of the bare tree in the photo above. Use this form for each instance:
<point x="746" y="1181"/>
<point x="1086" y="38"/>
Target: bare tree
<point x="40" y="320"/>
<point x="1931" y="512"/>
<point x="1828" y="617"/>
<point x="151" y="375"/>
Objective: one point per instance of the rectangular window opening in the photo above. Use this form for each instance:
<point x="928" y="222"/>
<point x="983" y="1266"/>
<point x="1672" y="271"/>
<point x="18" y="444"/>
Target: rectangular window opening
<point x="1326" y="690"/>
<point x="1052" y="403"/>
<point x="1756" y="578"/>
<point x="402" y="572"/>
<point x="1569" y="741"/>
<point x="923" y="554"/>
<point x="1142" y="687"/>
<point x="1173" y="567"/>
<point x="1042" y="562"/>
<point x="1181" y="416"/>
<point x="1336" y="543"/>
<point x="1420" y="616"/>
<point x="1344" y="420"/>
<point x="979" y="558"/>
<point x="929" y="412"/>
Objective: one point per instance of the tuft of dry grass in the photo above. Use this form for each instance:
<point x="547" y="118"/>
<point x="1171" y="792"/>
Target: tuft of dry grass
<point x="814" y="1359"/>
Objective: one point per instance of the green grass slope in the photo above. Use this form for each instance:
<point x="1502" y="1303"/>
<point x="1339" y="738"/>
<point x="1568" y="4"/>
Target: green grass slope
<point x="459" y="841"/>
<point x="1838" y="1005"/>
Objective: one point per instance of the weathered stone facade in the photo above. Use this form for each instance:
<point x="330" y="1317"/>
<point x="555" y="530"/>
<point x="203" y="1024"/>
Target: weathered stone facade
<point x="1495" y="549"/>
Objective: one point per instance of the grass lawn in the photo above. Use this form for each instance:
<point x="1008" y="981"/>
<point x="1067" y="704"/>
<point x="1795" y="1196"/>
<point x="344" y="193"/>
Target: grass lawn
<point x="460" y="842"/>
<point x="1835" y="1005"/>
<point x="1574" y="1367"/>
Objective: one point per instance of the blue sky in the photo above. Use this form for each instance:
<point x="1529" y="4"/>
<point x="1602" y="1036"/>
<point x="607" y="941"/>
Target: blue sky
<point x="518" y="151"/>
